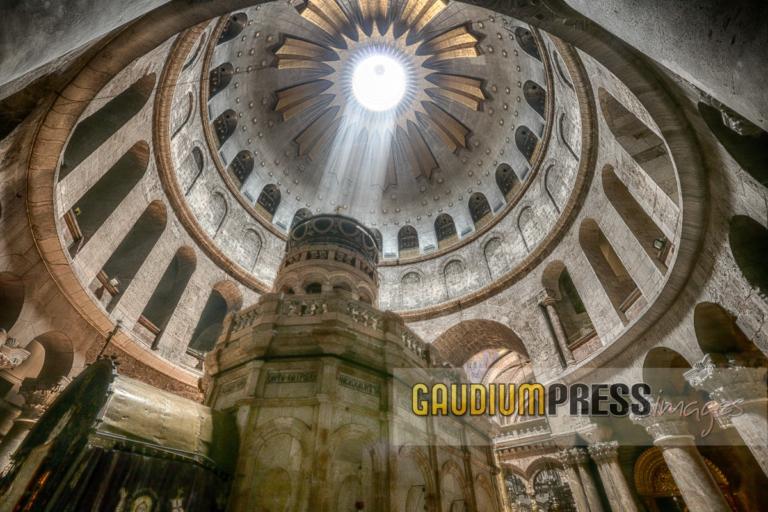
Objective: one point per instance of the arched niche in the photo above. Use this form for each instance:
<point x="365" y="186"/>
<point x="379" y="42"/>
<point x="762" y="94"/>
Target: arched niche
<point x="249" y="249"/>
<point x="191" y="169"/>
<point x="225" y="125"/>
<point x="536" y="96"/>
<point x="300" y="215"/>
<point x="269" y="200"/>
<point x="642" y="226"/>
<point x="456" y="278"/>
<point x="95" y="129"/>
<point x="59" y="356"/>
<point x="569" y="305"/>
<point x="233" y="27"/>
<point x="621" y="289"/>
<point x="495" y="257"/>
<point x="241" y="167"/>
<point x="181" y="116"/>
<point x="745" y="142"/>
<point x="445" y="230"/>
<point x="167" y="294"/>
<point x="641" y="143"/>
<point x="129" y="256"/>
<point x="552" y="490"/>
<point x="479" y="209"/>
<point x="507" y="181"/>
<point x="748" y="240"/>
<point x="525" y="39"/>
<point x="103" y="198"/>
<point x="528" y="225"/>
<point x="555" y="186"/>
<point x="410" y="285"/>
<point x="223" y="299"/>
<point x="217" y="211"/>
<point x="517" y="495"/>
<point x="717" y="332"/>
<point x="407" y="241"/>
<point x="219" y="78"/>
<point x="526" y="142"/>
<point x="11" y="299"/>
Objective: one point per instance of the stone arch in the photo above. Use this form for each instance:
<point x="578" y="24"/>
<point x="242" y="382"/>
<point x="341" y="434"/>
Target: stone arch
<point x="219" y="78"/>
<point x="640" y="142"/>
<point x="663" y="370"/>
<point x="355" y="464"/>
<point x="550" y="487"/>
<point x="748" y="241"/>
<point x="528" y="227"/>
<point x="12" y="295"/>
<point x="300" y="215"/>
<point x="570" y="308"/>
<point x="479" y="209"/>
<point x="410" y="284"/>
<point x="745" y="142"/>
<point x="249" y="248"/>
<point x="445" y="230"/>
<point x="642" y="226"/>
<point x="95" y="129"/>
<point x="456" y="498"/>
<point x="407" y="241"/>
<point x="232" y="28"/>
<point x="124" y="263"/>
<point x="168" y="292"/>
<point x="507" y="181"/>
<point x="555" y="186"/>
<point x="717" y="332"/>
<point x="456" y="278"/>
<point x="621" y="289"/>
<point x="484" y="492"/>
<point x="515" y="486"/>
<point x="224" y="298"/>
<point x="103" y="198"/>
<point x="527" y="42"/>
<point x="536" y="96"/>
<point x="415" y="486"/>
<point x="225" y="125"/>
<point x="269" y="199"/>
<point x="191" y="169"/>
<point x="241" y="167"/>
<point x="526" y="142"/>
<point x="217" y="213"/>
<point x="495" y="257"/>
<point x="182" y="117"/>
<point x="469" y="337"/>
<point x="59" y="356"/>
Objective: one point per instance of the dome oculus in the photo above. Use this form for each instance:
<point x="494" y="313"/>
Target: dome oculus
<point x="379" y="82"/>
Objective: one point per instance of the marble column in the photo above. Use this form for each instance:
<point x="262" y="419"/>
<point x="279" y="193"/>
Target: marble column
<point x="606" y="456"/>
<point x="548" y="303"/>
<point x="38" y="397"/>
<point x="574" y="481"/>
<point x="591" y="491"/>
<point x="696" y="484"/>
<point x="737" y="379"/>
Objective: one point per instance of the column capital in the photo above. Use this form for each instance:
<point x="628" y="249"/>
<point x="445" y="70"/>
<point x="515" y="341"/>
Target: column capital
<point x="729" y="377"/>
<point x="664" y="426"/>
<point x="566" y="458"/>
<point x="604" y="451"/>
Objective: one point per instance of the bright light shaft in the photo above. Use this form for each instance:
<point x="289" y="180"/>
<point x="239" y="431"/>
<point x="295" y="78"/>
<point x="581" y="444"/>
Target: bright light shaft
<point x="378" y="83"/>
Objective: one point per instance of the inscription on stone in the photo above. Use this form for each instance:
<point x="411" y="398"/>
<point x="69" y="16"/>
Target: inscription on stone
<point x="359" y="385"/>
<point x="291" y="377"/>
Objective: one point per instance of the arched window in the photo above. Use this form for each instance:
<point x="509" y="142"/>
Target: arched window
<point x="407" y="241"/>
<point x="241" y="167"/>
<point x="526" y="142"/>
<point x="745" y="142"/>
<point x="123" y="265"/>
<point x="552" y="491"/>
<point x="569" y="306"/>
<point x="526" y="41"/>
<point x="507" y="181"/>
<point x="610" y="270"/>
<point x="445" y="229"/>
<point x="535" y="96"/>
<point x="378" y="238"/>
<point x="642" y="226"/>
<point x="516" y="492"/>
<point x="225" y="126"/>
<point x="210" y="324"/>
<point x="219" y="78"/>
<point x="11" y="299"/>
<point x="300" y="215"/>
<point x="104" y="197"/>
<point x="313" y="288"/>
<point x="640" y="142"/>
<point x="235" y="24"/>
<point x="269" y="199"/>
<point x="749" y="246"/>
<point x="95" y="129"/>
<point x="479" y="209"/>
<point x="164" y="300"/>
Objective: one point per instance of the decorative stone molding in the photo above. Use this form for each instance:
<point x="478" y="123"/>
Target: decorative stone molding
<point x="11" y="355"/>
<point x="604" y="451"/>
<point x="729" y="377"/>
<point x="665" y="427"/>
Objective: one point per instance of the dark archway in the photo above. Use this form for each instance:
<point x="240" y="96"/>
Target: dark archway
<point x="507" y="181"/>
<point x="536" y="96"/>
<point x="11" y="299"/>
<point x="526" y="142"/>
<point x="525" y="39"/>
<point x="749" y="245"/>
<point x="479" y="209"/>
<point x="269" y="199"/>
<point x="445" y="229"/>
<point x="219" y="78"/>
<point x="223" y="299"/>
<point x="235" y="24"/>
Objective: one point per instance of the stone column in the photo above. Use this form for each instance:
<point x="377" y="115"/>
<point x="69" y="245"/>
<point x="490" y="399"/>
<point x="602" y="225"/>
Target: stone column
<point x="569" y="463"/>
<point x="38" y="397"/>
<point x="606" y="456"/>
<point x="696" y="484"/>
<point x="736" y="379"/>
<point x="591" y="492"/>
<point x="548" y="303"/>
